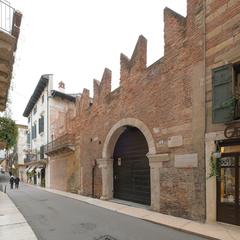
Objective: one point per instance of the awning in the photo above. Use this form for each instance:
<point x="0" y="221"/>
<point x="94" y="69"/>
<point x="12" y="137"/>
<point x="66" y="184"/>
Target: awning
<point x="38" y="169"/>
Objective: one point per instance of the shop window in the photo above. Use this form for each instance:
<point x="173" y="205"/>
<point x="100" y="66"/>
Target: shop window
<point x="226" y="93"/>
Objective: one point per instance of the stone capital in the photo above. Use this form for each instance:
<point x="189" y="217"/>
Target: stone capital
<point x="104" y="162"/>
<point x="156" y="160"/>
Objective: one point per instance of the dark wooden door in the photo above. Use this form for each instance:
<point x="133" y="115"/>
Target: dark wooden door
<point x="131" y="167"/>
<point x="228" y="188"/>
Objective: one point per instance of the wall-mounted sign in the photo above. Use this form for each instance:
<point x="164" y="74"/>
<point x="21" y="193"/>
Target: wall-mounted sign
<point x="186" y="161"/>
<point x="232" y="132"/>
<point x="175" y="141"/>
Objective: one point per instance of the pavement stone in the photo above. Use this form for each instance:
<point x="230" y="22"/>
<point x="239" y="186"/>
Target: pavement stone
<point x="13" y="226"/>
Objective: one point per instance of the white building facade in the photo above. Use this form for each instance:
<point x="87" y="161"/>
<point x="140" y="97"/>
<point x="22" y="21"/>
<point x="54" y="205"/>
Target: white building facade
<point x="45" y="107"/>
<point x="20" y="151"/>
<point x="37" y="112"/>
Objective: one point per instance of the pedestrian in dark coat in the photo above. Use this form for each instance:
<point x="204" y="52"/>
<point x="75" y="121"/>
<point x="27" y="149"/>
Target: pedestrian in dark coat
<point x="11" y="181"/>
<point x="17" y="180"/>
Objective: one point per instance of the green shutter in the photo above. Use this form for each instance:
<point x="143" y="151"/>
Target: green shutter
<point x="28" y="138"/>
<point x="41" y="124"/>
<point x="222" y="91"/>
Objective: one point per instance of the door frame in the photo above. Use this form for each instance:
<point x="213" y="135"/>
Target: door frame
<point x="226" y="207"/>
<point x="118" y="165"/>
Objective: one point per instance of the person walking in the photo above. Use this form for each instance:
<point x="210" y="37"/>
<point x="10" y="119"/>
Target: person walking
<point x="17" y="180"/>
<point x="11" y="181"/>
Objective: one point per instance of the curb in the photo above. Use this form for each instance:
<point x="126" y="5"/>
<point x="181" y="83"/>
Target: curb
<point x="9" y="229"/>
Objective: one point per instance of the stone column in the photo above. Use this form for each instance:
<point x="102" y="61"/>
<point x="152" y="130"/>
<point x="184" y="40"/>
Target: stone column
<point x="211" y="183"/>
<point x="156" y="162"/>
<point x="107" y="177"/>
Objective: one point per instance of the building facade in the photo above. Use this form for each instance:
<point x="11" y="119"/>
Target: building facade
<point x="37" y="112"/>
<point x="61" y="147"/>
<point x="144" y="141"/>
<point x="222" y="75"/>
<point x="19" y="153"/>
<point x="9" y="32"/>
<point x="45" y="107"/>
<point x="168" y="136"/>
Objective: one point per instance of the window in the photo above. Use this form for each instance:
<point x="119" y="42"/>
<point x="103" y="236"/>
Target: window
<point x="41" y="124"/>
<point x="35" y="109"/>
<point x="34" y="131"/>
<point x="226" y="93"/>
<point x="28" y="138"/>
<point x="29" y="119"/>
<point x="43" y="98"/>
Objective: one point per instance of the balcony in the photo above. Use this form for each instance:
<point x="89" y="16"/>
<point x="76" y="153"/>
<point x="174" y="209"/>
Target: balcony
<point x="63" y="144"/>
<point x="10" y="21"/>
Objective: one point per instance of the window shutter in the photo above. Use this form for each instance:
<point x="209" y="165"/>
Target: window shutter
<point x="28" y="138"/>
<point x="42" y="123"/>
<point x="42" y="152"/>
<point x="222" y="91"/>
<point x="39" y="125"/>
<point x="33" y="132"/>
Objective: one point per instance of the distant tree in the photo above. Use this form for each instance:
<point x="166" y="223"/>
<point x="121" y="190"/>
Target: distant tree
<point x="8" y="132"/>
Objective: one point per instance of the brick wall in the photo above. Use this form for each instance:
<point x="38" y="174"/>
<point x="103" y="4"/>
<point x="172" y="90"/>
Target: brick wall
<point x="168" y="97"/>
<point x="222" y="44"/>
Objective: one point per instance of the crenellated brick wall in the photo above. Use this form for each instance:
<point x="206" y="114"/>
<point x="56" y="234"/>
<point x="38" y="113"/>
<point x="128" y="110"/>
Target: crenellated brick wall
<point x="168" y="97"/>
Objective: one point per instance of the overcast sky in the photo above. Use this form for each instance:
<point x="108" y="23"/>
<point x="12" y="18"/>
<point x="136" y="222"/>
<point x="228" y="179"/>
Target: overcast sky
<point x="76" y="39"/>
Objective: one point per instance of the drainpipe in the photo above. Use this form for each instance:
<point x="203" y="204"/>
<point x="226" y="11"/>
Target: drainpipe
<point x="48" y="163"/>
<point x="31" y="132"/>
<point x="47" y="113"/>
<point x="205" y="100"/>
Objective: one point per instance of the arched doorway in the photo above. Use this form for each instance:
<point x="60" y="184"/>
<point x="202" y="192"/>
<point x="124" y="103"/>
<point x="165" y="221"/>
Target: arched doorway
<point x="106" y="162"/>
<point x="131" y="171"/>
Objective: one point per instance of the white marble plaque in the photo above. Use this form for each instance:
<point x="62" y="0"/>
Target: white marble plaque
<point x="95" y="139"/>
<point x="175" y="141"/>
<point x="186" y="161"/>
<point x="156" y="130"/>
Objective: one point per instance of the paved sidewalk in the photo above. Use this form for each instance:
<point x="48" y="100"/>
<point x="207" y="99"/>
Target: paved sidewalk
<point x="210" y="230"/>
<point x="13" y="226"/>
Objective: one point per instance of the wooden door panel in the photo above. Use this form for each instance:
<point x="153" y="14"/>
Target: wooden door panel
<point x="131" y="167"/>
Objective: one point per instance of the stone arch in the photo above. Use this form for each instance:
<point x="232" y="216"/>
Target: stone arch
<point x="116" y="131"/>
<point x="155" y="160"/>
